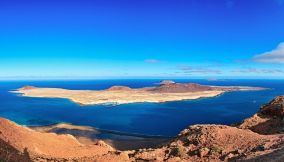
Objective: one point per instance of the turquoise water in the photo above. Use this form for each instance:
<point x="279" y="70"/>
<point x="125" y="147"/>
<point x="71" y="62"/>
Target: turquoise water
<point x="166" y="119"/>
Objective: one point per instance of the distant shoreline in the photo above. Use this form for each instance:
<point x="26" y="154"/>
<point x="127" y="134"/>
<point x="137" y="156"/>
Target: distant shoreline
<point x="167" y="91"/>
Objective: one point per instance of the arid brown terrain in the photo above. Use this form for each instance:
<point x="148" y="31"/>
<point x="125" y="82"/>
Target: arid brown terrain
<point x="259" y="138"/>
<point x="166" y="91"/>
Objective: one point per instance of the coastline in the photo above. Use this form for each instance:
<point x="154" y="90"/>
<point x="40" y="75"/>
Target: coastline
<point x="124" y="95"/>
<point x="114" y="98"/>
<point x="118" y="140"/>
<point x="259" y="137"/>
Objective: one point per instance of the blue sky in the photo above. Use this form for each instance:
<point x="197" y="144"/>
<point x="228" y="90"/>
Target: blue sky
<point x="141" y="39"/>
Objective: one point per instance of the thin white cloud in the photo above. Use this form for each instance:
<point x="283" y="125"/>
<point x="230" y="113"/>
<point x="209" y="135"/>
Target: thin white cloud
<point x="152" y="61"/>
<point x="258" y="71"/>
<point x="199" y="70"/>
<point x="274" y="56"/>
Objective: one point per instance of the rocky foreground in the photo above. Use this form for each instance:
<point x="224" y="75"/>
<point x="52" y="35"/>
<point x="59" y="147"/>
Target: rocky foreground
<point x="259" y="138"/>
<point x="166" y="91"/>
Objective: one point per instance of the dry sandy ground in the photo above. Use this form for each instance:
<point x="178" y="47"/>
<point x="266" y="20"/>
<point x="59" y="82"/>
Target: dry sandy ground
<point x="123" y="95"/>
<point x="87" y="97"/>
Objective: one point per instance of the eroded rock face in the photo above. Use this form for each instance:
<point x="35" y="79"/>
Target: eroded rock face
<point x="9" y="153"/>
<point x="274" y="108"/>
<point x="269" y="120"/>
<point x="210" y="143"/>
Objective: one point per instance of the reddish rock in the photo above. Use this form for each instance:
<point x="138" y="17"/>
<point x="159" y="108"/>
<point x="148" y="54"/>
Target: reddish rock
<point x="181" y="88"/>
<point x="118" y="88"/>
<point x="27" y="88"/>
<point x="274" y="108"/>
<point x="204" y="151"/>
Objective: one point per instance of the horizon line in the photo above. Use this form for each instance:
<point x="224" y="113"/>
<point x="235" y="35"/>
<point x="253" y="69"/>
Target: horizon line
<point x="137" y="77"/>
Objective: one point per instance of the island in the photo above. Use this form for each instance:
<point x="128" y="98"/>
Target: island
<point x="164" y="92"/>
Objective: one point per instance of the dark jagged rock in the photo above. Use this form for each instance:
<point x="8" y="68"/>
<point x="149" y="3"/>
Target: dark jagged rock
<point x="9" y="153"/>
<point x="274" y="108"/>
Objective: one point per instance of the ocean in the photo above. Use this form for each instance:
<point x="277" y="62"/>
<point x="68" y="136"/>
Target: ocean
<point x="164" y="119"/>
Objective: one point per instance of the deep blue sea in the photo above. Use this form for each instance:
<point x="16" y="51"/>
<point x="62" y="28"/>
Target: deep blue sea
<point x="166" y="119"/>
